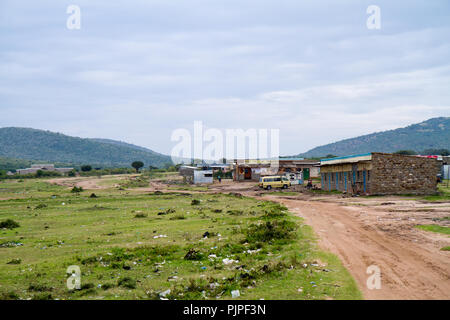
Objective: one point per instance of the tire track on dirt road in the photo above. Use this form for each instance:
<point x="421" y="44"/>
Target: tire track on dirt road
<point x="408" y="270"/>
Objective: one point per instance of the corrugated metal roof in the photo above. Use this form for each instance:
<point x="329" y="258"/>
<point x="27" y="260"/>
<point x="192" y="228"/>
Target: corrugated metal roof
<point x="347" y="159"/>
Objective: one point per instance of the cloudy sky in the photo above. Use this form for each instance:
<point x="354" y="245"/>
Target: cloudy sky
<point x="139" y="69"/>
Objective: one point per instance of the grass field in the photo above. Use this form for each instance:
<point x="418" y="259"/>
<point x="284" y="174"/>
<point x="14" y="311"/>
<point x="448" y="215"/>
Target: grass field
<point x="137" y="246"/>
<point x="435" y="228"/>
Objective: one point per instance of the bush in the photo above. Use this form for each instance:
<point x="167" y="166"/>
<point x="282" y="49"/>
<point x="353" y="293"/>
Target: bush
<point x="271" y="230"/>
<point x="140" y="215"/>
<point x="9" y="224"/>
<point x="86" y="168"/>
<point x="11" y="295"/>
<point x="193" y="254"/>
<point x="76" y="189"/>
<point x="195" y="202"/>
<point x="127" y="282"/>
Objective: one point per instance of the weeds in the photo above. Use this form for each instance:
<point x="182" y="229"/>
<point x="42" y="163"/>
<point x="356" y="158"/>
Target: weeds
<point x="140" y="215"/>
<point x="11" y="295"/>
<point x="9" y="224"/>
<point x="38" y="287"/>
<point x="127" y="282"/>
<point x="178" y="217"/>
<point x="15" y="261"/>
<point x="271" y="230"/>
<point x="193" y="254"/>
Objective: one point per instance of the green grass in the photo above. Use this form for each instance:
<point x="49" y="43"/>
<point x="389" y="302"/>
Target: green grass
<point x="445" y="249"/>
<point x="326" y="191"/>
<point x="125" y="257"/>
<point x="434" y="228"/>
<point x="444" y="193"/>
<point x="283" y="193"/>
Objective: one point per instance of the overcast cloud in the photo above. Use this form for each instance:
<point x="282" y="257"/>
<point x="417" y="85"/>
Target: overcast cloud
<point x="137" y="70"/>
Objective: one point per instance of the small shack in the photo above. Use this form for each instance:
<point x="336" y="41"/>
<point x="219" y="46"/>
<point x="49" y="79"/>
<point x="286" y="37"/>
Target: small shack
<point x="196" y="175"/>
<point x="380" y="173"/>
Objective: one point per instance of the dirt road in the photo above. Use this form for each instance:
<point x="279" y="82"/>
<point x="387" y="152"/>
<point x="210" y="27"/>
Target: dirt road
<point x="409" y="269"/>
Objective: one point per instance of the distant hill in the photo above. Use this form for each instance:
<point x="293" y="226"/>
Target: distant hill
<point x="32" y="144"/>
<point x="431" y="134"/>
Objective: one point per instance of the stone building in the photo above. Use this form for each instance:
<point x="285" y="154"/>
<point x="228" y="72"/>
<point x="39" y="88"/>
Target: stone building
<point x="380" y="173"/>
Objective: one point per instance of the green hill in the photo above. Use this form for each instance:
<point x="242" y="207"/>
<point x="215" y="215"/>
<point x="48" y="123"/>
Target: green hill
<point x="431" y="134"/>
<point x="32" y="144"/>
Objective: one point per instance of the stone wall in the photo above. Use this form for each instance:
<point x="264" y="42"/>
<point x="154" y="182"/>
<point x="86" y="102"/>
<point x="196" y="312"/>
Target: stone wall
<point x="400" y="174"/>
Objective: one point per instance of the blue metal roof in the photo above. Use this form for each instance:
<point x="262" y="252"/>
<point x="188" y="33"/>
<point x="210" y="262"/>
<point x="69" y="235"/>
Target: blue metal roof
<point x="347" y="157"/>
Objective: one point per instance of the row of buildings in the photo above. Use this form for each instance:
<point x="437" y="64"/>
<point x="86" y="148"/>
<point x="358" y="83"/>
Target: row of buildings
<point x="42" y="167"/>
<point x="371" y="173"/>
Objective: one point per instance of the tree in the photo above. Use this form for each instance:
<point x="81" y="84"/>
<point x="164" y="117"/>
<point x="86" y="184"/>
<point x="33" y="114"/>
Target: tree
<point x="406" y="152"/>
<point x="72" y="173"/>
<point x="438" y="152"/>
<point x="330" y="156"/>
<point x="86" y="168"/>
<point x="137" y="165"/>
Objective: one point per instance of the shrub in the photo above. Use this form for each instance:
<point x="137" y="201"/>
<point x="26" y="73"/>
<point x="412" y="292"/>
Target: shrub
<point x="38" y="287"/>
<point x="195" y="202"/>
<point x="193" y="254"/>
<point x="9" y="224"/>
<point x="11" y="295"/>
<point x="76" y="189"/>
<point x="140" y="215"/>
<point x="178" y="217"/>
<point x="42" y="296"/>
<point x="86" y="168"/>
<point x="127" y="282"/>
<point x="15" y="261"/>
<point x="271" y="230"/>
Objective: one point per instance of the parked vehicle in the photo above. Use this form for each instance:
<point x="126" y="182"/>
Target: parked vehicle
<point x="274" y="182"/>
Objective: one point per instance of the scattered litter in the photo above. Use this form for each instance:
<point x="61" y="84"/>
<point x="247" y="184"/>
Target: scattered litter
<point x="235" y="294"/>
<point x="160" y="236"/>
<point x="227" y="261"/>
<point x="164" y="293"/>
<point x="172" y="278"/>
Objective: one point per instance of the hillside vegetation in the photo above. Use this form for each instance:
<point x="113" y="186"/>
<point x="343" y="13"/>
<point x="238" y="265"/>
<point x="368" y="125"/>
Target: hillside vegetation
<point x="431" y="134"/>
<point x="32" y="144"/>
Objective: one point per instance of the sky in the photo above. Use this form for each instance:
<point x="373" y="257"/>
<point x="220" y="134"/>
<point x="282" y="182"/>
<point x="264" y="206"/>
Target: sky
<point x="137" y="70"/>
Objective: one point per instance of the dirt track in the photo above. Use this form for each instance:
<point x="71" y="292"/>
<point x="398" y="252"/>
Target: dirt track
<point x="409" y="270"/>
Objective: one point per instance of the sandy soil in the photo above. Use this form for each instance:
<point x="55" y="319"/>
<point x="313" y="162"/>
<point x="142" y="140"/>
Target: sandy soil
<point x="87" y="183"/>
<point x="363" y="232"/>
